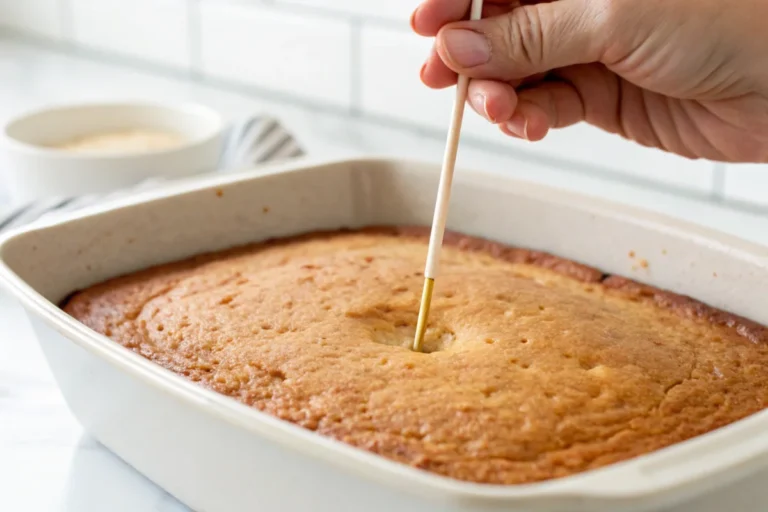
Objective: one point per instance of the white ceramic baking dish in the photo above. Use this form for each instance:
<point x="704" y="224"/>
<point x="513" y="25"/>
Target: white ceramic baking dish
<point x="216" y="455"/>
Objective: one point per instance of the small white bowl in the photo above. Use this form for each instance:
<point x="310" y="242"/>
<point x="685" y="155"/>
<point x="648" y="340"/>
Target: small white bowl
<point x="37" y="170"/>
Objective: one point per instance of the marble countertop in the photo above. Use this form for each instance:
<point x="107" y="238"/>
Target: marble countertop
<point x="47" y="462"/>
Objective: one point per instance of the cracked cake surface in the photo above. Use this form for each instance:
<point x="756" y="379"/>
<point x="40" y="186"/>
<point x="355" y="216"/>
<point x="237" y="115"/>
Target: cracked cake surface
<point x="535" y="367"/>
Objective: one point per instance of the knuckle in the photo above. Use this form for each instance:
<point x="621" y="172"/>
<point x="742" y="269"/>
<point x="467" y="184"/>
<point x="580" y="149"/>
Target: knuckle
<point x="612" y="21"/>
<point x="523" y="36"/>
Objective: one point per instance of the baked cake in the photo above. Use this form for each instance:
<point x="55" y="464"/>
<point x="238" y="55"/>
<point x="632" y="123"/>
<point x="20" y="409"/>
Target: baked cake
<point x="534" y="368"/>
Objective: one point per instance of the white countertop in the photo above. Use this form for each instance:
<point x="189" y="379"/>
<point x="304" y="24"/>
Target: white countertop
<point x="47" y="462"/>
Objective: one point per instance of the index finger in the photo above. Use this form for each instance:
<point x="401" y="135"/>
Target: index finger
<point x="432" y="15"/>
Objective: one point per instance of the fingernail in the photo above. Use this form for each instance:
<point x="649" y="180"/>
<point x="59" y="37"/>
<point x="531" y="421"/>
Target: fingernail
<point x="477" y="101"/>
<point x="518" y="126"/>
<point x="467" y="48"/>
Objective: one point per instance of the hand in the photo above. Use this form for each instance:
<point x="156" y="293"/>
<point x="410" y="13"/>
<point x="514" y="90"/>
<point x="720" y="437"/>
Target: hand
<point x="686" y="76"/>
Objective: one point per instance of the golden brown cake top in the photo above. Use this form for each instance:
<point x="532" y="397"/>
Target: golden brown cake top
<point x="535" y="367"/>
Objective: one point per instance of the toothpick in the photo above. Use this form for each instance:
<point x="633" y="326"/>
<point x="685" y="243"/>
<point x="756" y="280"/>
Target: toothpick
<point x="443" y="197"/>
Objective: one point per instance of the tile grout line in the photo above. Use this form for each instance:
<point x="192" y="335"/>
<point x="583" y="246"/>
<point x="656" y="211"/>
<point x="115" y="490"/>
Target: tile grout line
<point x="330" y="12"/>
<point x="355" y="68"/>
<point x="718" y="182"/>
<point x="194" y="38"/>
<point x="66" y="21"/>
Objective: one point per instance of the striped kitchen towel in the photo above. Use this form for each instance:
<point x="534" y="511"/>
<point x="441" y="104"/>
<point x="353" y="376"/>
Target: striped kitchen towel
<point x="247" y="143"/>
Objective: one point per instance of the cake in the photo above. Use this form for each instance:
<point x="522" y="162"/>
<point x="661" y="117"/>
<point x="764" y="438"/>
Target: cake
<point x="534" y="368"/>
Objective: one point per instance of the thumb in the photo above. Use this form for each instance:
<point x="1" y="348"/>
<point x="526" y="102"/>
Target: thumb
<point x="528" y="40"/>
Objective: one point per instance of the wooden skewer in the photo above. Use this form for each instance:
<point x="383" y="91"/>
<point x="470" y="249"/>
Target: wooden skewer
<point x="443" y="197"/>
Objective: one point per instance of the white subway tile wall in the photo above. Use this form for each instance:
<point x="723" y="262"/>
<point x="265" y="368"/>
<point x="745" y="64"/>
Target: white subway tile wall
<point x="304" y="56"/>
<point x="355" y="55"/>
<point x="747" y="183"/>
<point x="38" y="17"/>
<point x="152" y="30"/>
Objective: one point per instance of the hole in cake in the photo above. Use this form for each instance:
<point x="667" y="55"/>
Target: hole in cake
<point x="449" y="295"/>
<point x="368" y="259"/>
<point x="160" y="328"/>
<point x="409" y="433"/>
<point x="226" y="300"/>
<point x="490" y="341"/>
<point x="400" y="289"/>
<point x="524" y="341"/>
<point x="525" y="366"/>
<point x="488" y="391"/>
<point x="435" y="338"/>
<point x="266" y="326"/>
<point x="397" y="328"/>
<point x="541" y="308"/>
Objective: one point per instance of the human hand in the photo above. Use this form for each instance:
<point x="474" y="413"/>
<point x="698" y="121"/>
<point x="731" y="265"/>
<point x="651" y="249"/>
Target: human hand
<point x="686" y="76"/>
